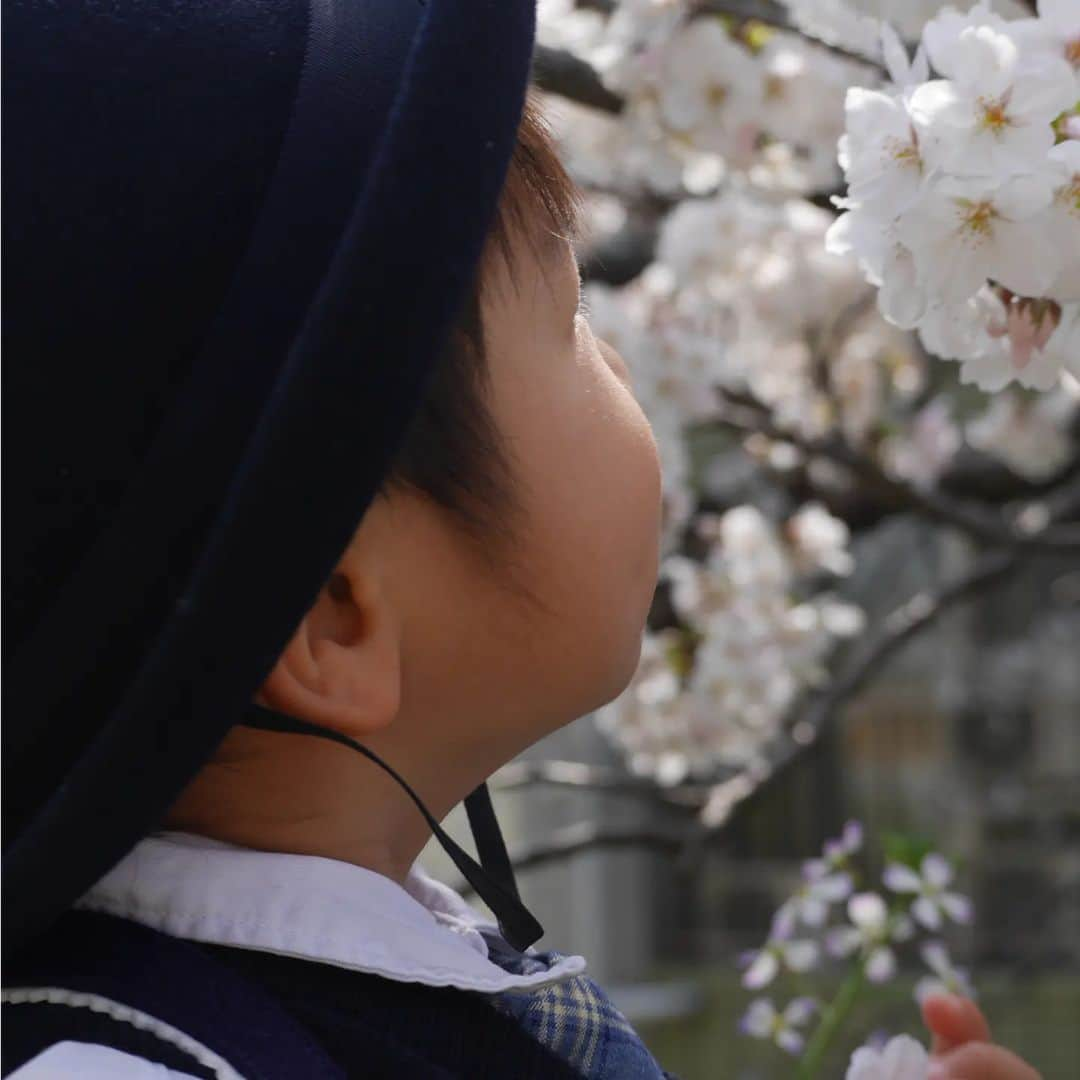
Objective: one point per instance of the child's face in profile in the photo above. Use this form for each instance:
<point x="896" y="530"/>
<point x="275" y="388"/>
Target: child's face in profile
<point x="517" y="663"/>
<point x="584" y="457"/>
<point x="448" y="653"/>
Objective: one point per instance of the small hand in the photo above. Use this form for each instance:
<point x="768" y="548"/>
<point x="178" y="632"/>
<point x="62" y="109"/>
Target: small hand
<point x="962" y="1047"/>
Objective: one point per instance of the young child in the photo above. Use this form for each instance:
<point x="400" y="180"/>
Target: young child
<point x="332" y="505"/>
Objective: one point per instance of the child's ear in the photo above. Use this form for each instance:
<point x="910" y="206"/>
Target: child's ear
<point x="342" y="667"/>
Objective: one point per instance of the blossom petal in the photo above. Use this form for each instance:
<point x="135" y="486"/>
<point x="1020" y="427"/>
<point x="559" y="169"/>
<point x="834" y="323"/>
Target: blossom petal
<point x="761" y="971"/>
<point x="928" y="985"/>
<point x="833" y="888"/>
<point x="936" y="870"/>
<point x="958" y="908"/>
<point x="895" y="55"/>
<point x="814" y="910"/>
<point x="758" y="1019"/>
<point x="927" y="912"/>
<point x="865" y="1065"/>
<point x="880" y="964"/>
<point x="936" y="957"/>
<point x="852" y="836"/>
<point x="867" y="911"/>
<point x="903" y="929"/>
<point x="902" y="1057"/>
<point x="801" y="955"/>
<point x="842" y="940"/>
<point x="783" y="924"/>
<point x="791" y="1041"/>
<point x="902" y="300"/>
<point x="799" y="1010"/>
<point x="1023" y="197"/>
<point x="901" y="879"/>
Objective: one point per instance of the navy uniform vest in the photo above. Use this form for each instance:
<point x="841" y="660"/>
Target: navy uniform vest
<point x="268" y="1017"/>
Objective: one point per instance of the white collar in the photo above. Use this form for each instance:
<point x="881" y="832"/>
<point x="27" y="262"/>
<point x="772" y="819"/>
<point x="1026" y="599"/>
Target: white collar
<point x="309" y="907"/>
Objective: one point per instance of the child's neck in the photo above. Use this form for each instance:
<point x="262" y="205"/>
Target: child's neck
<point x="306" y="797"/>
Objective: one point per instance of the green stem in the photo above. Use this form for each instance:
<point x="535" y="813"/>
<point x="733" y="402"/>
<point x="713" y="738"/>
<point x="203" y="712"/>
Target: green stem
<point x="832" y="1018"/>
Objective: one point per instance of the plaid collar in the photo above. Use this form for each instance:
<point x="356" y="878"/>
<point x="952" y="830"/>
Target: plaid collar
<point x="575" y="1019"/>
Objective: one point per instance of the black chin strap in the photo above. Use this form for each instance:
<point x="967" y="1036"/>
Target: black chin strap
<point x="492" y="877"/>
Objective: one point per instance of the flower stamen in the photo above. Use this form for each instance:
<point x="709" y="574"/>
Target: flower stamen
<point x="995" y="116"/>
<point x="977" y="218"/>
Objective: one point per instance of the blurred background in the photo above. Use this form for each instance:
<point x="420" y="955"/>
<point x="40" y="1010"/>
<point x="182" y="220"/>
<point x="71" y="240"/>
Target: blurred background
<point x="869" y="605"/>
<point x="969" y="737"/>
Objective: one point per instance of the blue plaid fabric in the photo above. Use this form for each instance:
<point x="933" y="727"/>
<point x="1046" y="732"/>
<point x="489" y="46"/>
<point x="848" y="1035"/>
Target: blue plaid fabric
<point x="574" y="1019"/>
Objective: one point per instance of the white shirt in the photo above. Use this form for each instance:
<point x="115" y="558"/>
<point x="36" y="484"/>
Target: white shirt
<point x="302" y="906"/>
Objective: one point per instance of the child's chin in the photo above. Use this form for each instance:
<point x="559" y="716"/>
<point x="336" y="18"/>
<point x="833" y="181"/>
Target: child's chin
<point x="619" y="672"/>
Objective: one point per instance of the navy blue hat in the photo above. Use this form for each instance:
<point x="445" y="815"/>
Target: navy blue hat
<point x="237" y="234"/>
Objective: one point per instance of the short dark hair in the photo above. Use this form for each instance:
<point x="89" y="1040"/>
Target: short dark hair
<point x="453" y="451"/>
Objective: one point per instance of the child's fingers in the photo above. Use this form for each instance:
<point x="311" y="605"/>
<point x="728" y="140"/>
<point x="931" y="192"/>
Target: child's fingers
<point x="953" y="1021"/>
<point x="981" y="1061"/>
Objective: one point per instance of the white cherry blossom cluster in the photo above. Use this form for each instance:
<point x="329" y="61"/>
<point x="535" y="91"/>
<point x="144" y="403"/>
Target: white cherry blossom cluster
<point x="963" y="201"/>
<point x="745" y="299"/>
<point x="743" y="296"/>
<point x="704" y="97"/>
<point x="775" y="309"/>
<point x="714" y="689"/>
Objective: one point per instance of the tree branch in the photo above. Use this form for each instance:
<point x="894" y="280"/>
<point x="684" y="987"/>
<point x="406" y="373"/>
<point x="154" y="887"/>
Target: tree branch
<point x="769" y="13"/>
<point x="587" y="836"/>
<point x="559" y="71"/>
<point x="917" y="614"/>
<point x="1030" y="528"/>
<point x="606" y="780"/>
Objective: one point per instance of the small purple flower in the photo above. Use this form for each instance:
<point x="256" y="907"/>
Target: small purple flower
<point x="933" y="901"/>
<point x="872" y="932"/>
<point x="764" y="964"/>
<point x="836" y="854"/>
<point x="946" y="979"/>
<point x="811" y="901"/>
<point x="762" y="1021"/>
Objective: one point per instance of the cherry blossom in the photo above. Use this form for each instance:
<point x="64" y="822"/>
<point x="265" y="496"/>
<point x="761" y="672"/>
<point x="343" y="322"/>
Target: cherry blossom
<point x="965" y="231"/>
<point x="710" y="88"/>
<point x="993" y="114"/>
<point x="960" y="208"/>
<point x="820" y="541"/>
<point x="1063" y="219"/>
<point x="880" y="152"/>
<point x="1057" y="30"/>
<point x="934" y="902"/>
<point x="837" y="22"/>
<point x="926" y="447"/>
<point x="1030" y="436"/>
<point x="756" y="294"/>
